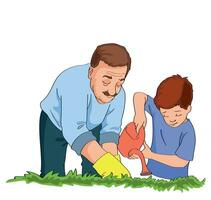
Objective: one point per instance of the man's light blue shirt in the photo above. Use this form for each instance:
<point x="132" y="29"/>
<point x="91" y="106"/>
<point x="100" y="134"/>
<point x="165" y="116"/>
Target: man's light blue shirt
<point x="169" y="140"/>
<point x="72" y="107"/>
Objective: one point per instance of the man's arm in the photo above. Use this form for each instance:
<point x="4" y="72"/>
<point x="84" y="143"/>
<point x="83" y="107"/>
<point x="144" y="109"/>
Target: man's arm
<point x="93" y="151"/>
<point x="74" y="116"/>
<point x="110" y="147"/>
<point x="111" y="125"/>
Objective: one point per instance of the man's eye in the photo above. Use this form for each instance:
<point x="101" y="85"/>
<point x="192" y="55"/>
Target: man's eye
<point x="165" y="116"/>
<point x="106" y="82"/>
<point x="178" y="115"/>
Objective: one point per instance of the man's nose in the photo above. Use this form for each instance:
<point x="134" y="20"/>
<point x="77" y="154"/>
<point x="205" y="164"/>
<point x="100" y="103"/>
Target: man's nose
<point x="113" y="89"/>
<point x="112" y="92"/>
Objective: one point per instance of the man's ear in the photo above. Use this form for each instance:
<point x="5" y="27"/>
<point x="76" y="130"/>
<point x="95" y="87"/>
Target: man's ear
<point x="90" y="72"/>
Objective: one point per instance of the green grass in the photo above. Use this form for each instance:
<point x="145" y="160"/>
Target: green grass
<point x="72" y="178"/>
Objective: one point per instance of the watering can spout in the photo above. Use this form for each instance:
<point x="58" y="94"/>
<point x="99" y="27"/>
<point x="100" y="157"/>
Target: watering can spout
<point x="145" y="171"/>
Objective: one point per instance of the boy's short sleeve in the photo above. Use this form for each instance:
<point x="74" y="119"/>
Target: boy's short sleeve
<point x="187" y="146"/>
<point x="150" y="106"/>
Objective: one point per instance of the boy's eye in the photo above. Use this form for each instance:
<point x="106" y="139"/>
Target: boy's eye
<point x="165" y="116"/>
<point x="178" y="115"/>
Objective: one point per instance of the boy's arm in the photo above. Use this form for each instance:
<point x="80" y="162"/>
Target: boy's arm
<point x="171" y="160"/>
<point x="139" y="101"/>
<point x="183" y="155"/>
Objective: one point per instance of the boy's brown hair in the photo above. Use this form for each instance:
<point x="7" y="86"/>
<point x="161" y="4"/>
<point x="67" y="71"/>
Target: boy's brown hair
<point x="174" y="91"/>
<point x="112" y="54"/>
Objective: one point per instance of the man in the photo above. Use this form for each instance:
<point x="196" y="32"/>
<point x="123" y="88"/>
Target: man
<point x="84" y="109"/>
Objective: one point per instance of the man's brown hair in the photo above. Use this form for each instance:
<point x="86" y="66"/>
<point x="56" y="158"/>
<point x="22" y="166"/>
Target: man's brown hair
<point x="112" y="54"/>
<point x="174" y="91"/>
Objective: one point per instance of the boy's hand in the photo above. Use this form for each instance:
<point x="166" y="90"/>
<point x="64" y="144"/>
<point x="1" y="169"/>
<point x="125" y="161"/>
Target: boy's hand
<point x="147" y="151"/>
<point x="133" y="157"/>
<point x="140" y="120"/>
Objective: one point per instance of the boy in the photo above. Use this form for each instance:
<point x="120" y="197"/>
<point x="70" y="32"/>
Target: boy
<point x="173" y="141"/>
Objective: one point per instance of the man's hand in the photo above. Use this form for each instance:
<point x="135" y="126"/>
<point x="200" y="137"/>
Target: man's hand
<point x="104" y="163"/>
<point x="108" y="164"/>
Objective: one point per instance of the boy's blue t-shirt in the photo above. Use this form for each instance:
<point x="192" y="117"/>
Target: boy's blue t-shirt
<point x="168" y="140"/>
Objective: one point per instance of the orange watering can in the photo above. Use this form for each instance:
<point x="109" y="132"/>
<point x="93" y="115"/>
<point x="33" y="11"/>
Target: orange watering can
<point x="130" y="143"/>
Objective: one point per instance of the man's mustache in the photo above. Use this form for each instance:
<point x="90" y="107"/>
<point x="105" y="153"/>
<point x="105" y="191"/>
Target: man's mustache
<point x="106" y="93"/>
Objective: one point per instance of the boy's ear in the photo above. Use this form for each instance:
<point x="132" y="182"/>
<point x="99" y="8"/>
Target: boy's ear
<point x="189" y="108"/>
<point x="90" y="72"/>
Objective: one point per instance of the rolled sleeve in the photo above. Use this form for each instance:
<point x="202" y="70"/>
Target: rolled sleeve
<point x="111" y="125"/>
<point x="109" y="137"/>
<point x="81" y="141"/>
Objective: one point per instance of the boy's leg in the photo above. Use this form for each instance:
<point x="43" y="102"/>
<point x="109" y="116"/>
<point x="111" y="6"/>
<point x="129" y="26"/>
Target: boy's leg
<point x="87" y="167"/>
<point x="53" y="147"/>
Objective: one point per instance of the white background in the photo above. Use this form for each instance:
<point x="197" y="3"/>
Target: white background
<point x="39" y="39"/>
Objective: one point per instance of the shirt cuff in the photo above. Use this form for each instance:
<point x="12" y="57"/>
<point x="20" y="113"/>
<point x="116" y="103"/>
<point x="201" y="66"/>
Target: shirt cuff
<point x="183" y="156"/>
<point x="109" y="137"/>
<point x="81" y="141"/>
